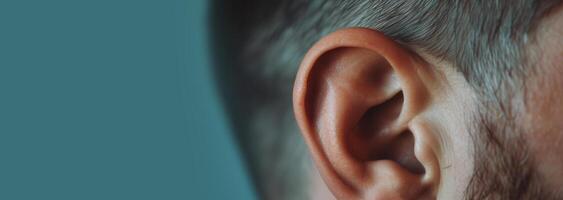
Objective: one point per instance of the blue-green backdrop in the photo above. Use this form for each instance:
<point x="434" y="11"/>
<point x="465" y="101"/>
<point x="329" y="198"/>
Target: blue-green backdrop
<point x="112" y="99"/>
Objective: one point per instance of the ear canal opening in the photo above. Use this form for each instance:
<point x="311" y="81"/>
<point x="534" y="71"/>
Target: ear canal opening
<point x="380" y="117"/>
<point x="377" y="139"/>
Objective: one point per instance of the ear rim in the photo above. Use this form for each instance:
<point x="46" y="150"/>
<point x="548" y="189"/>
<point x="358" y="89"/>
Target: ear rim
<point x="351" y="38"/>
<point x="346" y="38"/>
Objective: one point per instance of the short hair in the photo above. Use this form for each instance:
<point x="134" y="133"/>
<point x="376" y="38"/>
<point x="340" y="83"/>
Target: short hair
<point x="262" y="42"/>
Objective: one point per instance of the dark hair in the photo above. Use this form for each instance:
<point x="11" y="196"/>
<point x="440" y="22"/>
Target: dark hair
<point x="262" y="42"/>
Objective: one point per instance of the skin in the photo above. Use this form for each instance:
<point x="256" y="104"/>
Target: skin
<point x="542" y="121"/>
<point x="368" y="143"/>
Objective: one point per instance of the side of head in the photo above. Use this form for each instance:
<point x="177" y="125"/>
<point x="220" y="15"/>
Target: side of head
<point x="414" y="100"/>
<point x="359" y="99"/>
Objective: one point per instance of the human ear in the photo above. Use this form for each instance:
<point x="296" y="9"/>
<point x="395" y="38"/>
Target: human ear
<point x="356" y="96"/>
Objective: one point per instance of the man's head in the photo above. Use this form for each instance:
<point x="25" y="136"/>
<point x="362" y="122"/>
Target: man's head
<point x="401" y="99"/>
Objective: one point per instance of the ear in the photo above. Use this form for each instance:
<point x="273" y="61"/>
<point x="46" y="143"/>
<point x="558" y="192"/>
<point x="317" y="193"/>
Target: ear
<point x="356" y="98"/>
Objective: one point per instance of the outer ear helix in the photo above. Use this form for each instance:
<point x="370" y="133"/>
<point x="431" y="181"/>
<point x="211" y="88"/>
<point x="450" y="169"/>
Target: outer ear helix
<point x="343" y="118"/>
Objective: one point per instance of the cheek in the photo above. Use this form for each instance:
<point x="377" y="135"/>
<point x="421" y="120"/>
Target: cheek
<point x="545" y="95"/>
<point x="545" y="104"/>
<point x="544" y="116"/>
<point x="545" y="88"/>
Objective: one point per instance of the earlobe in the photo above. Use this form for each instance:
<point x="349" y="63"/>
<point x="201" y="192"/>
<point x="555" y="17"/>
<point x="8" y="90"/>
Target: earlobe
<point x="355" y="96"/>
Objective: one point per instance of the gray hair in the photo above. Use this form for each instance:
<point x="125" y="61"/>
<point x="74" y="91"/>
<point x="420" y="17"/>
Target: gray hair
<point x="262" y="43"/>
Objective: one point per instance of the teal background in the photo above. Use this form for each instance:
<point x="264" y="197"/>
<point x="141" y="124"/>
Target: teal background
<point x="112" y="99"/>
